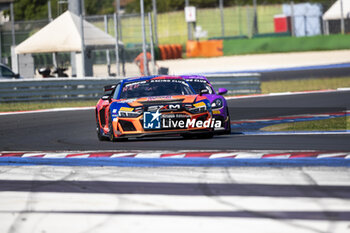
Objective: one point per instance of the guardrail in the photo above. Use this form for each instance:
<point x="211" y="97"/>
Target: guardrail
<point x="52" y="89"/>
<point x="237" y="84"/>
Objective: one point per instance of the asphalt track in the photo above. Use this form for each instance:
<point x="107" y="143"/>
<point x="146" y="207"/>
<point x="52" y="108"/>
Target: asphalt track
<point x="174" y="199"/>
<point x="303" y="72"/>
<point x="75" y="130"/>
<point x="323" y="71"/>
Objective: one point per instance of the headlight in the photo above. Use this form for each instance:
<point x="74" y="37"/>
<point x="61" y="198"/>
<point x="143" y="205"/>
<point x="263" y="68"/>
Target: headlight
<point x="217" y="103"/>
<point x="198" y="108"/>
<point x="129" y="112"/>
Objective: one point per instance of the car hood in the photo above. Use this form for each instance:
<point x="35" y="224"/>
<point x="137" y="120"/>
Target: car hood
<point x="212" y="97"/>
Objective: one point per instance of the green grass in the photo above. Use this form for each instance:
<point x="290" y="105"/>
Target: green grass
<point x="9" y="107"/>
<point x="338" y="123"/>
<point x="304" y="84"/>
<point x="285" y="44"/>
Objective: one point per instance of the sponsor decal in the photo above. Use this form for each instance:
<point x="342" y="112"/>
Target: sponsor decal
<point x="126" y="109"/>
<point x="151" y="120"/>
<point x="200" y="104"/>
<point x="190" y="123"/>
<point x="135" y="83"/>
<point x="216" y="112"/>
<point x="169" y="81"/>
<point x="127" y="100"/>
<point x="178" y="115"/>
<point x="174" y="106"/>
<point x="159" y="97"/>
<point x="131" y="86"/>
<point x="156" y="120"/>
<point x="197" y="80"/>
<point x="165" y="107"/>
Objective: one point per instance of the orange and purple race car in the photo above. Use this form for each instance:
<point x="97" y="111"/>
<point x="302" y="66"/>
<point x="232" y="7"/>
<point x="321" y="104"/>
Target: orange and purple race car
<point x="218" y="102"/>
<point x="153" y="106"/>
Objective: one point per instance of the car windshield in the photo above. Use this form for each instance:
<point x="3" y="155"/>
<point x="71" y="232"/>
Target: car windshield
<point x="6" y="72"/>
<point x="155" y="87"/>
<point x="199" y="84"/>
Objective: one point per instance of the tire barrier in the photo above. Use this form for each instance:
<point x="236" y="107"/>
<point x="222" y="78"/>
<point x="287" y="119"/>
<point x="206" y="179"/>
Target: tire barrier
<point x="170" y="51"/>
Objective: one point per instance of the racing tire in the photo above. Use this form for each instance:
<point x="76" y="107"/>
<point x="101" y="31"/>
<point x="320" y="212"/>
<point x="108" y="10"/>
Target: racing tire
<point x="228" y="130"/>
<point x="99" y="135"/>
<point x="112" y="137"/>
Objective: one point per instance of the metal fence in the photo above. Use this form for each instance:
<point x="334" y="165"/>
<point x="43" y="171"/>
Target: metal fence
<point x="172" y="28"/>
<point x="129" y="33"/>
<point x="53" y="89"/>
<point x="23" y="30"/>
<point x="237" y="20"/>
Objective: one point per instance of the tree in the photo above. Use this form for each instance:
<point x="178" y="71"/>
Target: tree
<point x="173" y="5"/>
<point x="37" y="9"/>
<point x="98" y="7"/>
<point x="30" y="9"/>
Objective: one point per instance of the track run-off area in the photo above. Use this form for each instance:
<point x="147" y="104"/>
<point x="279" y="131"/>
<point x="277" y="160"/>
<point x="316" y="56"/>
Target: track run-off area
<point x="55" y="176"/>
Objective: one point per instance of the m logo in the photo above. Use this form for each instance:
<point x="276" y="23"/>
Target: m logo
<point x="174" y="106"/>
<point x="151" y="120"/>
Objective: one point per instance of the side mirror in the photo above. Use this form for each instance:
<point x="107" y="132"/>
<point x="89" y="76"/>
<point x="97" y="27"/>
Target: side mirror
<point x="106" y="97"/>
<point x="16" y="76"/>
<point x="203" y="91"/>
<point x="222" y="91"/>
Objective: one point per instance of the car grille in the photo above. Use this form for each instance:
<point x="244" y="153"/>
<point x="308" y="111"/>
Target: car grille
<point x="127" y="125"/>
<point x="202" y="118"/>
<point x="220" y="118"/>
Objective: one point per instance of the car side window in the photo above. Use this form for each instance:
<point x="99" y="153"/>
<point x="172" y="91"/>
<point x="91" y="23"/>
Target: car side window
<point x="116" y="91"/>
<point x="6" y="72"/>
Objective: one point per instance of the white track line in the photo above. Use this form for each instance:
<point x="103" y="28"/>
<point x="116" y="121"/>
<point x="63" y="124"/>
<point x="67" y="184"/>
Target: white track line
<point x="288" y="93"/>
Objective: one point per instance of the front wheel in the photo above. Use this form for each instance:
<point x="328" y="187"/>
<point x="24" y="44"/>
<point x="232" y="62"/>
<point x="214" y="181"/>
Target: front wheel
<point x="112" y="136"/>
<point x="228" y="130"/>
<point x="99" y="134"/>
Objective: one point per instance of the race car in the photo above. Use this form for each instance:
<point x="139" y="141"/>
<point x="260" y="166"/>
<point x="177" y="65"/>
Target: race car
<point x="153" y="106"/>
<point x="218" y="102"/>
